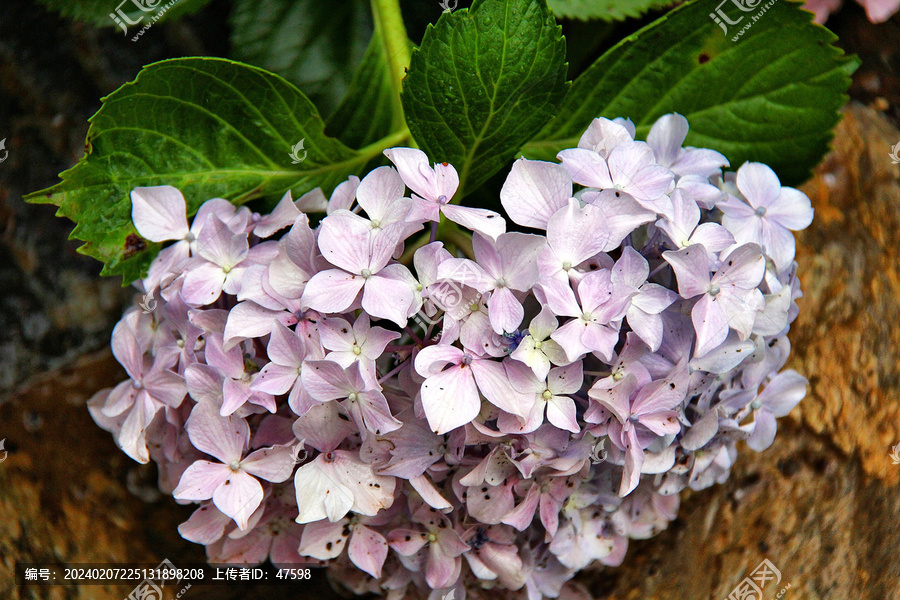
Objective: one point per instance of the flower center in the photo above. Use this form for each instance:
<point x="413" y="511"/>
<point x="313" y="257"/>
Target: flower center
<point x="235" y="465"/>
<point x="547" y="395"/>
<point x="365" y="273"/>
<point x="357" y="350"/>
<point x="714" y="290"/>
<point x="761" y="211"/>
<point x="352" y="397"/>
<point x="756" y="404"/>
<point x="567" y="265"/>
<point x="226" y="269"/>
<point x="537" y="344"/>
<point x="442" y="199"/>
<point x="619" y="375"/>
<point x="190" y="237"/>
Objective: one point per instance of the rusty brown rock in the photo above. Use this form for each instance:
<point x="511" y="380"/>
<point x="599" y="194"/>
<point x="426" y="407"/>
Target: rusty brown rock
<point x="847" y="337"/>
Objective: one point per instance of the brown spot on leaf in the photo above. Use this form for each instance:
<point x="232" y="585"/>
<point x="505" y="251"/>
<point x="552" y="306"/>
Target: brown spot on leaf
<point x="134" y="244"/>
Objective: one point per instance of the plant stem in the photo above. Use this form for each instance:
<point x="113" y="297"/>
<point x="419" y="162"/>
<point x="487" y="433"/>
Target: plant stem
<point x="658" y="268"/>
<point x="460" y="239"/>
<point x="388" y="141"/>
<point x="393" y="371"/>
<point x="407" y="257"/>
<point x="396" y="48"/>
<point x="413" y="335"/>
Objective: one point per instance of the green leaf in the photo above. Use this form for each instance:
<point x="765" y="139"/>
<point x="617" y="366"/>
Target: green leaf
<point x="606" y="10"/>
<point x="97" y="12"/>
<point x="771" y="96"/>
<point x="210" y="127"/>
<point x="483" y="82"/>
<point x="313" y="44"/>
<point x="366" y="113"/>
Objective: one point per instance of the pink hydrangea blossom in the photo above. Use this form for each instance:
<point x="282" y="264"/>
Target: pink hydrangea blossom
<point x="427" y="416"/>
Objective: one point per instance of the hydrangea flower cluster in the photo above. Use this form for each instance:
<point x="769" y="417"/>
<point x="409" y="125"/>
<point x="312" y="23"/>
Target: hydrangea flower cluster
<point x="499" y="416"/>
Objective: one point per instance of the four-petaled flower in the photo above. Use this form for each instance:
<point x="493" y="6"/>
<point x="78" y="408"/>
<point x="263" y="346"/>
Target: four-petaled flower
<point x="233" y="482"/>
